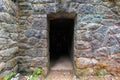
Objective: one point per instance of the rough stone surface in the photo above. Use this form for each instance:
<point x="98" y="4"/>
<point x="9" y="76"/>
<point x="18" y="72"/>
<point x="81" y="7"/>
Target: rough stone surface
<point x="24" y="39"/>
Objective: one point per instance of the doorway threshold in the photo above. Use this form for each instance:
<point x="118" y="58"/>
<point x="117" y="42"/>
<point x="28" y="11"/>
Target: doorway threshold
<point x="63" y="63"/>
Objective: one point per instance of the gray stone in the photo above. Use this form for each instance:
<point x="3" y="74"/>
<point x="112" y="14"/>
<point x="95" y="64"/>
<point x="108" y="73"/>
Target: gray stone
<point x="39" y="23"/>
<point x="102" y="29"/>
<point x="8" y="42"/>
<point x="25" y="5"/>
<point x="73" y="7"/>
<point x="4" y="34"/>
<point x="82" y="1"/>
<point x="5" y="17"/>
<point x="9" y="27"/>
<point x="101" y="51"/>
<point x="90" y="18"/>
<point x="10" y="7"/>
<point x="43" y="43"/>
<point x="40" y="1"/>
<point x="33" y="41"/>
<point x="86" y="8"/>
<point x="83" y="35"/>
<point x="96" y="44"/>
<point x="36" y="33"/>
<point x="51" y="8"/>
<point x="83" y="53"/>
<point x="118" y="3"/>
<point x="109" y="4"/>
<point x="1" y="6"/>
<point x="110" y="40"/>
<point x="101" y="9"/>
<point x="24" y="29"/>
<point x="39" y="62"/>
<point x="2" y="66"/>
<point x="24" y="68"/>
<point x="14" y="36"/>
<point x="114" y="30"/>
<point x="24" y="46"/>
<point x="108" y="22"/>
<point x="39" y="8"/>
<point x="29" y="33"/>
<point x="82" y="45"/>
<point x="5" y="73"/>
<point x="10" y="64"/>
<point x="9" y="52"/>
<point x="36" y="52"/>
<point x="23" y="59"/>
<point x="98" y="36"/>
<point x="93" y="26"/>
<point x="25" y="12"/>
<point x="114" y="49"/>
<point x="83" y="62"/>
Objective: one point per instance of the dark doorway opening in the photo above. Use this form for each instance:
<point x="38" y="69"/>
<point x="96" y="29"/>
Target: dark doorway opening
<point x="61" y="41"/>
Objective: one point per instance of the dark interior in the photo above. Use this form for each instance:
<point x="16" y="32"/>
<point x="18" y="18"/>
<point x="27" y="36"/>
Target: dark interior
<point x="61" y="38"/>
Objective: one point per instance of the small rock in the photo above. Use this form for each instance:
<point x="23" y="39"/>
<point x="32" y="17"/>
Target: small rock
<point x="84" y="62"/>
<point x="9" y="52"/>
<point x="2" y="65"/>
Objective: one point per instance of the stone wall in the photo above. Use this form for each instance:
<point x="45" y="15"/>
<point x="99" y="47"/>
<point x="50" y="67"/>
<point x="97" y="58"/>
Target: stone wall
<point x="8" y="37"/>
<point x="96" y="35"/>
<point x="33" y="37"/>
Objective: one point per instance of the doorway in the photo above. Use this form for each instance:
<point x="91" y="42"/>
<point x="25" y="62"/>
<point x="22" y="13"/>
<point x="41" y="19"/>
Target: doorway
<point x="61" y="43"/>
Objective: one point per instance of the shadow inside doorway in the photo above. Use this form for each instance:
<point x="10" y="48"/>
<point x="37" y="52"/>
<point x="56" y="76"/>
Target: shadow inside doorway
<point x="61" y="42"/>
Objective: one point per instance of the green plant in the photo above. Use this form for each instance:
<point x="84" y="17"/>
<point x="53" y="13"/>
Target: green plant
<point x="9" y="76"/>
<point x="35" y="74"/>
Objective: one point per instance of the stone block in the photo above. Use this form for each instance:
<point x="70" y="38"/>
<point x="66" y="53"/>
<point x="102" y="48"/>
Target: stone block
<point x="98" y="36"/>
<point x="114" y="49"/>
<point x="5" y="17"/>
<point x="1" y="6"/>
<point x="10" y="64"/>
<point x="40" y="34"/>
<point x="86" y="8"/>
<point x="51" y="8"/>
<point x="73" y="7"/>
<point x="7" y="42"/>
<point x="84" y="1"/>
<point x="111" y="40"/>
<point x="80" y="45"/>
<point x="39" y="8"/>
<point x="96" y="44"/>
<point x="43" y="43"/>
<point x="39" y="62"/>
<point x="114" y="30"/>
<point x="9" y="52"/>
<point x="85" y="62"/>
<point x="83" y="53"/>
<point x="2" y="66"/>
<point x="11" y="28"/>
<point x="25" y="12"/>
<point x="101" y="9"/>
<point x="41" y="1"/>
<point x="4" y="34"/>
<point x="36" y="52"/>
<point x="29" y="33"/>
<point x="25" y="6"/>
<point x="9" y="7"/>
<point x="33" y="41"/>
<point x="83" y="35"/>
<point x="24" y="46"/>
<point x="39" y="23"/>
<point x="14" y="36"/>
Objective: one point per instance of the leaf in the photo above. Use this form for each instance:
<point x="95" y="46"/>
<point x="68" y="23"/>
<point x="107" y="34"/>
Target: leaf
<point x="7" y="77"/>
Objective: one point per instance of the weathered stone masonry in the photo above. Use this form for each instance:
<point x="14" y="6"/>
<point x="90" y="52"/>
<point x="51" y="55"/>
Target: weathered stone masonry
<point x="24" y="29"/>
